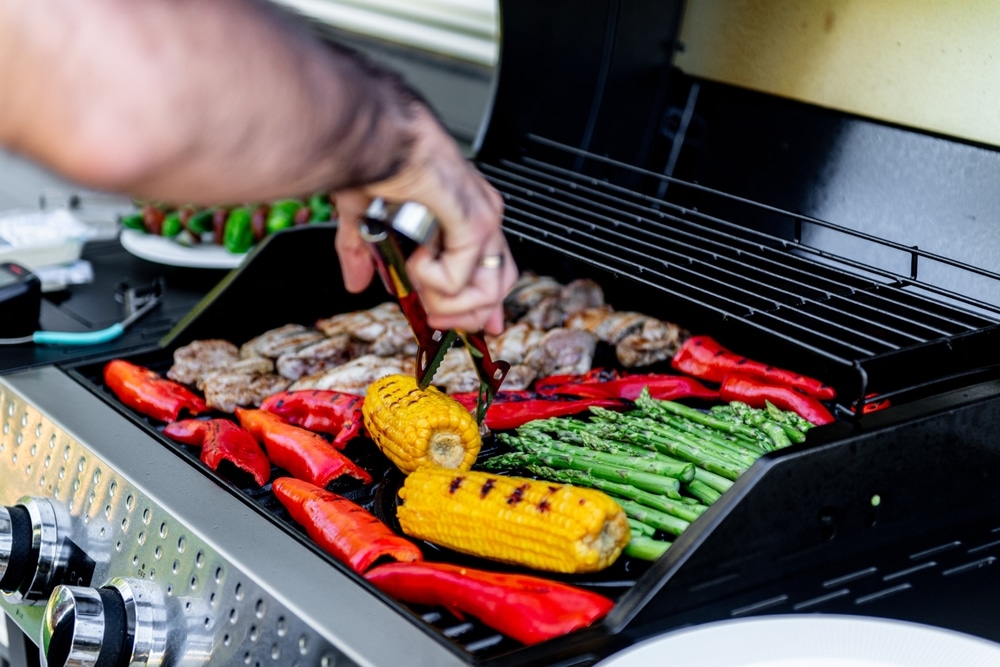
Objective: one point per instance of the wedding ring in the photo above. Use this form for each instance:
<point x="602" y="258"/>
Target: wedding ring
<point x="491" y="261"/>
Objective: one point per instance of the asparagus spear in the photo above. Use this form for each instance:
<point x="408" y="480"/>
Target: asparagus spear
<point x="703" y="492"/>
<point x="668" y="486"/>
<point x="645" y="548"/>
<point x="682" y="470"/>
<point x="676" y="508"/>
<point x="647" y="402"/>
<point x="643" y="432"/>
<point x="639" y="528"/>
<point x="661" y="520"/>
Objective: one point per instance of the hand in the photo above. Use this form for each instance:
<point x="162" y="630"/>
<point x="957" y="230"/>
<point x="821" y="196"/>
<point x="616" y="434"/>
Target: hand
<point x="463" y="285"/>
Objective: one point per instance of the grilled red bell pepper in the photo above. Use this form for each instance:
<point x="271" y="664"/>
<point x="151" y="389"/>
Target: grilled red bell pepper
<point x="222" y="440"/>
<point x="661" y="386"/>
<point x="304" y="454"/>
<point x="321" y="410"/>
<point x="342" y="528"/>
<point x="704" y="358"/>
<point x="755" y="392"/>
<point x="146" y="391"/>
<point x="514" y="408"/>
<point x="549" y="383"/>
<point x="526" y="608"/>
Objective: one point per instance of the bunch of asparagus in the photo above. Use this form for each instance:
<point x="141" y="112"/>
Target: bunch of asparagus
<point x="664" y="462"/>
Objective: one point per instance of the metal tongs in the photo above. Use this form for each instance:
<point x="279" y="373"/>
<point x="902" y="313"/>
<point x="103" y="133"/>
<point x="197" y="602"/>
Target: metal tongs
<point x="380" y="227"/>
<point x="137" y="304"/>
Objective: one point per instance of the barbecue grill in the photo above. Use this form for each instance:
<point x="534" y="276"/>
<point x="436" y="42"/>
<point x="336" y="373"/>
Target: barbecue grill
<point x="596" y="143"/>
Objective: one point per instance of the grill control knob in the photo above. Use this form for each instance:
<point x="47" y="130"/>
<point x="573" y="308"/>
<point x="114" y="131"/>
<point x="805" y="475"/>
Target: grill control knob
<point x="32" y="551"/>
<point x="123" y="623"/>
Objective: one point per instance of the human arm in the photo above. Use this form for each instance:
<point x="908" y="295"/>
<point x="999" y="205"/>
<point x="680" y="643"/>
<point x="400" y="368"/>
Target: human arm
<point x="210" y="101"/>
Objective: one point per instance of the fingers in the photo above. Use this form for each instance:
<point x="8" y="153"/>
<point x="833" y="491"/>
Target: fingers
<point x="356" y="262"/>
<point x="479" y="305"/>
<point x="457" y="290"/>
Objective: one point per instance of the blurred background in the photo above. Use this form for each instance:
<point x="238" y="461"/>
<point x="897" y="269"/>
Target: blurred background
<point x="446" y="49"/>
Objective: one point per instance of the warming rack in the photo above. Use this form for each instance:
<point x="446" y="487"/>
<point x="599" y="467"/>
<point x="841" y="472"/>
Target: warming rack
<point x="872" y="326"/>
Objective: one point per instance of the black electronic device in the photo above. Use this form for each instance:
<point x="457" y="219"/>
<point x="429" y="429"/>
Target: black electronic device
<point x="20" y="300"/>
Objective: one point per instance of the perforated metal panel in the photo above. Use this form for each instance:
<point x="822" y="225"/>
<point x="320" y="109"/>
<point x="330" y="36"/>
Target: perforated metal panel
<point x="115" y="524"/>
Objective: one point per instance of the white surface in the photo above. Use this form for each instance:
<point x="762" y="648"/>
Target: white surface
<point x="813" y="640"/>
<point x="167" y="251"/>
<point x="41" y="238"/>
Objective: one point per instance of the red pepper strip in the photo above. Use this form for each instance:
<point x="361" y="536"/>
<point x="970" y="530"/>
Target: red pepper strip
<point x="321" y="410"/>
<point x="304" y="454"/>
<point x="526" y="608"/>
<point x="511" y="409"/>
<point x="755" y="392"/>
<point x="873" y="406"/>
<point x="663" y="387"/>
<point x="343" y="529"/>
<point x="549" y="383"/>
<point x="222" y="440"/>
<point x="704" y="358"/>
<point x="146" y="391"/>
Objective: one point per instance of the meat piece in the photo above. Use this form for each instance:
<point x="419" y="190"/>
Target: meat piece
<point x="639" y="340"/>
<point x="562" y="351"/>
<point x="251" y="367"/>
<point x="319" y="356"/>
<point x="354" y="376"/>
<point x="514" y="343"/>
<point x="553" y="310"/>
<point x="198" y="357"/>
<point x="457" y="375"/>
<point x="654" y="341"/>
<point x="226" y="390"/>
<point x="272" y="344"/>
<point x="383" y="329"/>
<point x="526" y="293"/>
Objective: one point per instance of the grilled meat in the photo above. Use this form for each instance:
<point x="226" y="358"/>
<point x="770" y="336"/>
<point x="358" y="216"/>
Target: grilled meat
<point x="226" y="390"/>
<point x="383" y="330"/>
<point x="531" y="352"/>
<point x="319" y="356"/>
<point x="195" y="359"/>
<point x="354" y="376"/>
<point x="554" y="308"/>
<point x="276" y="342"/>
<point x="639" y="339"/>
<point x="562" y="351"/>
<point x="529" y="290"/>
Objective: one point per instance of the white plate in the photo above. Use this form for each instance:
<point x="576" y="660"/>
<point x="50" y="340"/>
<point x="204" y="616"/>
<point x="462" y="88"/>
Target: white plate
<point x="167" y="251"/>
<point x="810" y="640"/>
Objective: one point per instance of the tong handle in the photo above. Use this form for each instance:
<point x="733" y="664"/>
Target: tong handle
<point x="416" y="223"/>
<point x="432" y="344"/>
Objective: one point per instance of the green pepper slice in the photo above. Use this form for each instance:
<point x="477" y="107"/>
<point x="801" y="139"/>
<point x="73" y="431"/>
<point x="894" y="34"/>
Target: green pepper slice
<point x="172" y="225"/>
<point x="238" y="235"/>
<point x="133" y="221"/>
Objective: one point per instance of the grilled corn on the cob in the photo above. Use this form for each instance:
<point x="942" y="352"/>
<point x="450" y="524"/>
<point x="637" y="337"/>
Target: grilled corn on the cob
<point x="546" y="526"/>
<point x="415" y="427"/>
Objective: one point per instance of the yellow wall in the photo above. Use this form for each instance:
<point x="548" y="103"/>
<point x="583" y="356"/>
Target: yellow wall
<point x="930" y="64"/>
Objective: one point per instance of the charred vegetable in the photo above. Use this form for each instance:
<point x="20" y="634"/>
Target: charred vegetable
<point x="546" y="526"/>
<point x="322" y="410"/>
<point x="222" y="440"/>
<point x="147" y="392"/>
<point x="703" y="357"/>
<point x="527" y="608"/>
<point x="342" y="528"/>
<point x="306" y="455"/>
<point x="416" y="427"/>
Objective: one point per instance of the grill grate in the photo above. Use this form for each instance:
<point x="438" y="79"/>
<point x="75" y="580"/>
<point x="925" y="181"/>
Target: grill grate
<point x="864" y="318"/>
